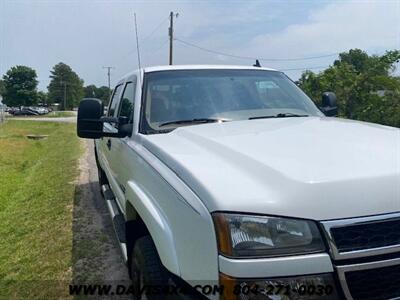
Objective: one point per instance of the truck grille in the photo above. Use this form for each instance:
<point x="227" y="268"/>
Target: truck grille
<point x="374" y="284"/>
<point x="367" y="236"/>
<point x="367" y="254"/>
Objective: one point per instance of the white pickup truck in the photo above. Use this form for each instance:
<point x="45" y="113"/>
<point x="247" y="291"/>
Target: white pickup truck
<point x="230" y="182"/>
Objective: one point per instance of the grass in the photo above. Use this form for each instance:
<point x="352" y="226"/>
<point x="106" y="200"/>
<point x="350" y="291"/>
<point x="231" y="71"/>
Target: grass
<point x="36" y="201"/>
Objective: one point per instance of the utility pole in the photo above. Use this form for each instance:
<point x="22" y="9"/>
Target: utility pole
<point x="65" y="94"/>
<point x="109" y="76"/>
<point x="171" y="34"/>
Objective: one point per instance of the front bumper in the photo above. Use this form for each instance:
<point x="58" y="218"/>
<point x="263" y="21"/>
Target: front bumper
<point x="367" y="270"/>
<point x="308" y="287"/>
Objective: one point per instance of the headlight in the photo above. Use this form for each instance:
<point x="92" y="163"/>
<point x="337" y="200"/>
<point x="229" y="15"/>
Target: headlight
<point x="260" y="236"/>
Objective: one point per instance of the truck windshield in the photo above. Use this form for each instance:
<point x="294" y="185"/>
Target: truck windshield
<point x="187" y="97"/>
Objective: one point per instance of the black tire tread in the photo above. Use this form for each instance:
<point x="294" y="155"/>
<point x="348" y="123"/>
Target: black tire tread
<point x="149" y="264"/>
<point x="147" y="255"/>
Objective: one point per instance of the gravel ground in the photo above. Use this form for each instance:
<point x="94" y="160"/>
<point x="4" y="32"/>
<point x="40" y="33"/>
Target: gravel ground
<point x="97" y="257"/>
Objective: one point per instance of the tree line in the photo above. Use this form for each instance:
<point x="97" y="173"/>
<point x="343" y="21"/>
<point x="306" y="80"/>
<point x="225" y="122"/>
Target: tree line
<point x="365" y="86"/>
<point x="19" y="88"/>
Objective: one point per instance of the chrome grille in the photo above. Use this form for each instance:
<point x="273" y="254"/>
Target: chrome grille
<point x="367" y="240"/>
<point x="374" y="284"/>
<point x="363" y="237"/>
<point x="367" y="236"/>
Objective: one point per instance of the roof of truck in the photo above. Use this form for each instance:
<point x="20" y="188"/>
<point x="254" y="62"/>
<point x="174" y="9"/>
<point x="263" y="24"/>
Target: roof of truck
<point x="199" y="67"/>
<point x="194" y="67"/>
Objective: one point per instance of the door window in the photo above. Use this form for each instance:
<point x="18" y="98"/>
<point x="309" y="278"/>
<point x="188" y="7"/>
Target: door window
<point x="114" y="101"/>
<point x="127" y="102"/>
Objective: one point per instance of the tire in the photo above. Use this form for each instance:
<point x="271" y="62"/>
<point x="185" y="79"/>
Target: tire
<point x="101" y="175"/>
<point x="147" y="269"/>
<point x="102" y="178"/>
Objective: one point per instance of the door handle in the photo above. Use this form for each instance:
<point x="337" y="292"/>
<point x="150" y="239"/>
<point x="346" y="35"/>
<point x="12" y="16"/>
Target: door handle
<point x="109" y="144"/>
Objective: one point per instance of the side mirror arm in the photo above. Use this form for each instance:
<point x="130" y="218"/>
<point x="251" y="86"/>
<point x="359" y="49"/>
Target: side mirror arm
<point x="124" y="129"/>
<point x="329" y="111"/>
<point x="109" y="120"/>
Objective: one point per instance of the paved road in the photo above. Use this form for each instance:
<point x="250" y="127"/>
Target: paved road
<point x="47" y="119"/>
<point x="63" y="120"/>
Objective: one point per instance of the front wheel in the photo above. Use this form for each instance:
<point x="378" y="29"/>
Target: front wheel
<point x="102" y="178"/>
<point x="147" y="270"/>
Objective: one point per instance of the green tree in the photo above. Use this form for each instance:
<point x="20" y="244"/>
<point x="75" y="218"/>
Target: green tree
<point x="364" y="85"/>
<point x="42" y="98"/>
<point x="20" y="84"/>
<point x="90" y="91"/>
<point x="65" y="87"/>
<point x="2" y="88"/>
<point x="102" y="93"/>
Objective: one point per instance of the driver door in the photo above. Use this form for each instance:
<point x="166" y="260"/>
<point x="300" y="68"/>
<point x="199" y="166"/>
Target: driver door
<point x="107" y="144"/>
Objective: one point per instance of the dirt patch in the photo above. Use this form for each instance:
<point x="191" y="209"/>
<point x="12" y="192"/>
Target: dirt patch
<point x="96" y="253"/>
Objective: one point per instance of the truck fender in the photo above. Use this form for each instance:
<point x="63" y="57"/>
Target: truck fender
<point x="156" y="223"/>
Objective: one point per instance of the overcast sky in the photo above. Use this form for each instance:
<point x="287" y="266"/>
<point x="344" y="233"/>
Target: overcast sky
<point x="88" y="35"/>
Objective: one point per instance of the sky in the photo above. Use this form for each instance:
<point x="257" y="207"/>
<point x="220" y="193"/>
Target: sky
<point x="88" y="35"/>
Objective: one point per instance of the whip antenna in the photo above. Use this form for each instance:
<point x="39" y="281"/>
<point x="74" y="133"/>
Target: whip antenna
<point x="137" y="42"/>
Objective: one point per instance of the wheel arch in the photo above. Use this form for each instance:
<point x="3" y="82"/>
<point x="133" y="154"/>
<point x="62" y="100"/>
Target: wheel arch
<point x="144" y="217"/>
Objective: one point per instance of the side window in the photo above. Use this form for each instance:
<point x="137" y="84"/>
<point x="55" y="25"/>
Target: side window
<point x="127" y="102"/>
<point x="114" y="101"/>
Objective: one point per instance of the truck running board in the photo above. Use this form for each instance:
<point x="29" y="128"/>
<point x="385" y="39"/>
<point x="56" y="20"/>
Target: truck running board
<point x="117" y="218"/>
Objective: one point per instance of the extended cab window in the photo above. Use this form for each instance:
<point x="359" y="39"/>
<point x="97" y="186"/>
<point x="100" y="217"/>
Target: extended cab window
<point x="114" y="101"/>
<point x="127" y="102"/>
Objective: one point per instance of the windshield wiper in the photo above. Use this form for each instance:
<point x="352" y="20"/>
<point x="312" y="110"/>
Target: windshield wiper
<point x="192" y="121"/>
<point x="281" y="115"/>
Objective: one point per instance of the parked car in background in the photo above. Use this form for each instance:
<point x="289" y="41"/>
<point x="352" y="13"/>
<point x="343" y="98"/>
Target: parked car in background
<point x="11" y="110"/>
<point x="41" y="110"/>
<point x="28" y="111"/>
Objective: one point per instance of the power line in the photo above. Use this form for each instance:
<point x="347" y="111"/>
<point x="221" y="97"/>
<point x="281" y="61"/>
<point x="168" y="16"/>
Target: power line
<point x="250" y="57"/>
<point x="161" y="46"/>
<point x="143" y="40"/>
<point x="308" y="68"/>
<point x="154" y="30"/>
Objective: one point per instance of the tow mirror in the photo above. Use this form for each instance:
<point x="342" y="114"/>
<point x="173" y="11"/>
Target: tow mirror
<point x="89" y="113"/>
<point x="329" y="104"/>
<point x="91" y="119"/>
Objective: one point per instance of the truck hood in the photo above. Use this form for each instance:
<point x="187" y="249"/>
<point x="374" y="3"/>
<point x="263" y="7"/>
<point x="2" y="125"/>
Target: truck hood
<point x="313" y="168"/>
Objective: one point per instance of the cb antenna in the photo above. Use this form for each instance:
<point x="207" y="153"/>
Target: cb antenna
<point x="137" y="42"/>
